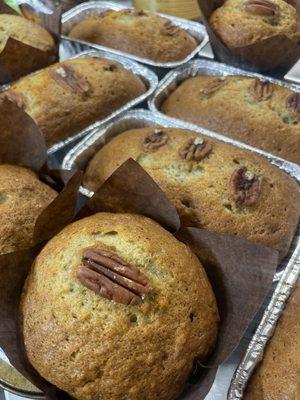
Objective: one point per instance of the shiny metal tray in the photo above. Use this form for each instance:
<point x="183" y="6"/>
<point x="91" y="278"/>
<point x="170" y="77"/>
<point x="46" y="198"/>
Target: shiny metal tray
<point x="84" y="10"/>
<point x="206" y="68"/>
<point x="148" y="77"/>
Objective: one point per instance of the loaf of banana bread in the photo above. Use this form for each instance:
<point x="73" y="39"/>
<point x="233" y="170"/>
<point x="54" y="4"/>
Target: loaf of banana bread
<point x="141" y="33"/>
<point x="255" y="112"/>
<point x="68" y="96"/>
<point x="213" y="185"/>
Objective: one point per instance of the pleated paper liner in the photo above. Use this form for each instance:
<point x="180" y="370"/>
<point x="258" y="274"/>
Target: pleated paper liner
<point x="240" y="272"/>
<point x="18" y="58"/>
<point x="276" y="54"/>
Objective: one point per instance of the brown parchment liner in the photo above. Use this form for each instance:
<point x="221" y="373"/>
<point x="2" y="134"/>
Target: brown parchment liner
<point x="17" y="58"/>
<point x="240" y="272"/>
<point x="274" y="53"/>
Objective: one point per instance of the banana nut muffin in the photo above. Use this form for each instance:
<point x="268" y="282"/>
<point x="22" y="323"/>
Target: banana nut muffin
<point x="213" y="185"/>
<point x="22" y="198"/>
<point x="115" y="307"/>
<point x="259" y="113"/>
<point x="68" y="96"/>
<point x="278" y="376"/>
<point x="137" y="32"/>
<point x="17" y="61"/>
<point x="240" y="23"/>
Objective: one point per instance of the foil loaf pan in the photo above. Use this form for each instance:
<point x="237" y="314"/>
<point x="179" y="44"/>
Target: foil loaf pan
<point x="148" y="77"/>
<point x="84" y="10"/>
<point x="206" y="68"/>
<point x="255" y="352"/>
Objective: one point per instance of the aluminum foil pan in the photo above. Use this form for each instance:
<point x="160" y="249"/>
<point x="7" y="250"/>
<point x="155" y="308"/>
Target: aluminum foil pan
<point x="80" y="155"/>
<point x="148" y="77"/>
<point x="265" y="330"/>
<point x="207" y="68"/>
<point x="84" y="10"/>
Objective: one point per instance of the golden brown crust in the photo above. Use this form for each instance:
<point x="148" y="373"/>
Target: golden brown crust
<point x="95" y="348"/>
<point x="137" y="32"/>
<point x="22" y="199"/>
<point x="25" y="31"/>
<point x="93" y="89"/>
<point x="241" y="108"/>
<point x="238" y="27"/>
<point x="200" y="189"/>
<point x="278" y="376"/>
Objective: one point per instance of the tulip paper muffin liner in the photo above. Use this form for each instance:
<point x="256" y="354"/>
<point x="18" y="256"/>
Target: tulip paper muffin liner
<point x="240" y="272"/>
<point x="17" y="58"/>
<point x="277" y="52"/>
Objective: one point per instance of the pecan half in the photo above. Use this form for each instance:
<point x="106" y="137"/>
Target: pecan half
<point x="170" y="28"/>
<point x="244" y="186"/>
<point x="156" y="139"/>
<point x="261" y="90"/>
<point x="110" y="67"/>
<point x="112" y="278"/>
<point x="213" y="85"/>
<point x="13" y="97"/>
<point x="65" y="76"/>
<point x="261" y="7"/>
<point x="195" y="149"/>
<point x="293" y="102"/>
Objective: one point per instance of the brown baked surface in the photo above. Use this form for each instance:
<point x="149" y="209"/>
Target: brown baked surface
<point x="25" y="31"/>
<point x="278" y="375"/>
<point x="137" y="32"/>
<point x="237" y="27"/>
<point x="22" y="198"/>
<point x="241" y="108"/>
<point x="96" y="348"/>
<point x="62" y="108"/>
<point x="200" y="189"/>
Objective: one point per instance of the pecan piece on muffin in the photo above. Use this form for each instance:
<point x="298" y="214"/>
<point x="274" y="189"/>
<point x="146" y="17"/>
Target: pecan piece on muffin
<point x="195" y="149"/>
<point x="155" y="140"/>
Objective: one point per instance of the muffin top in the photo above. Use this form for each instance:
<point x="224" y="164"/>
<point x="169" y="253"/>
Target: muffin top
<point x="25" y="31"/>
<point x="144" y="34"/>
<point x="115" y="307"/>
<point x="241" y="23"/>
<point x="22" y="198"/>
<point x="213" y="185"/>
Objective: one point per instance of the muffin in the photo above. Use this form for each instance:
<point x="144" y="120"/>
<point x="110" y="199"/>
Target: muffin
<point x="240" y="23"/>
<point x="141" y="33"/>
<point x="22" y="199"/>
<point x="213" y="185"/>
<point x="253" y="111"/>
<point x="115" y="307"/>
<point x="68" y="96"/>
<point x="278" y="375"/>
<point x="33" y="47"/>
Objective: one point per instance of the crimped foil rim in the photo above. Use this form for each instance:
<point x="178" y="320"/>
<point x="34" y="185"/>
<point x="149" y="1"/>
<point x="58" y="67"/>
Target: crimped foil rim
<point x="191" y="26"/>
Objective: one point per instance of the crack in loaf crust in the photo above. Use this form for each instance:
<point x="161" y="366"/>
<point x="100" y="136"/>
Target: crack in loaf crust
<point x="61" y="108"/>
<point x="242" y="108"/>
<point x="200" y="190"/>
<point x="238" y="27"/>
<point x="137" y="32"/>
<point x="277" y="377"/>
<point x="22" y="198"/>
<point x="95" y="348"/>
